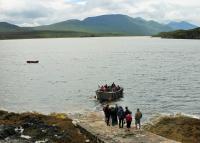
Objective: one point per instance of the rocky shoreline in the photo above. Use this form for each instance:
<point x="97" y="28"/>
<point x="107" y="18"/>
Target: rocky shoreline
<point x="38" y="128"/>
<point x="181" y="128"/>
<point x="58" y="128"/>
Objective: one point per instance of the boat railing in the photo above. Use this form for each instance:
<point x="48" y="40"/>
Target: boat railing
<point x="110" y="91"/>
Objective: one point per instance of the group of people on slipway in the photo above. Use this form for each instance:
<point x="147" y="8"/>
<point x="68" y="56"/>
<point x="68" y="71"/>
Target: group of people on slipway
<point x="117" y="115"/>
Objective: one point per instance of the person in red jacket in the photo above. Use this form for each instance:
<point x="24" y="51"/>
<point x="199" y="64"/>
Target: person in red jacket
<point x="128" y="121"/>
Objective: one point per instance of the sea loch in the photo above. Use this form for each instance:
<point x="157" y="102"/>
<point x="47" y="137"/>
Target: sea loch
<point x="158" y="75"/>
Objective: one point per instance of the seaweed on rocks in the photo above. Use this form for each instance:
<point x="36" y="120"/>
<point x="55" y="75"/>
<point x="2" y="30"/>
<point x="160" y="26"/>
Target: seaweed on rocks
<point x="34" y="127"/>
<point x="179" y="127"/>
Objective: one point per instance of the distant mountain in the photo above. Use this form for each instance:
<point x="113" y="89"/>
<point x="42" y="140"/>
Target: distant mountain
<point x="117" y="23"/>
<point x="104" y="25"/>
<point x="181" y="25"/>
<point x="181" y="34"/>
<point x="7" y="27"/>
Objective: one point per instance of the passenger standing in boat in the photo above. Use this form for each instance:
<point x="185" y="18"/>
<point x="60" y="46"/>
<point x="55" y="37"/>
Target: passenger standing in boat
<point x="102" y="88"/>
<point x="113" y="85"/>
<point x="120" y="115"/>
<point x="106" y="87"/>
<point x="128" y="121"/>
<point x="138" y="116"/>
<point x="118" y="87"/>
<point x="107" y="114"/>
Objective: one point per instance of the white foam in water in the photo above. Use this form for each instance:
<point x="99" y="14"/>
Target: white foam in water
<point x="182" y="114"/>
<point x="193" y="116"/>
<point x="156" y="118"/>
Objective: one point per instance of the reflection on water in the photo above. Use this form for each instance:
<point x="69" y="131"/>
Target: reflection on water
<point x="158" y="75"/>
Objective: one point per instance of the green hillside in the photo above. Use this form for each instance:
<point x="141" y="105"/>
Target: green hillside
<point x="7" y="27"/>
<point x="109" y="24"/>
<point x="181" y="34"/>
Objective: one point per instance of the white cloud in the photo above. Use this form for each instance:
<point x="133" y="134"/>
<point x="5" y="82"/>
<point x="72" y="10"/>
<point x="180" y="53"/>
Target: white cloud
<point x="37" y="12"/>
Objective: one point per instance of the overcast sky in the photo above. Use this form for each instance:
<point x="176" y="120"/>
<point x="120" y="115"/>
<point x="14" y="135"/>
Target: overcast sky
<point x="39" y="12"/>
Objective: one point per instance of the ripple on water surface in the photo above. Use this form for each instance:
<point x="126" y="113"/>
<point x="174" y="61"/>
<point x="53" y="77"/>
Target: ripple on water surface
<point x="158" y="75"/>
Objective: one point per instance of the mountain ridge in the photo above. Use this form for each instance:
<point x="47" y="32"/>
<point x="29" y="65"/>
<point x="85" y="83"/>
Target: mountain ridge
<point x="111" y="23"/>
<point x="115" y="23"/>
<point x="182" y="25"/>
<point x="7" y="27"/>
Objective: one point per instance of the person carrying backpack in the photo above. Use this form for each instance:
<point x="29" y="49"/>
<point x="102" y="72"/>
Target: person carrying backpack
<point x="120" y="114"/>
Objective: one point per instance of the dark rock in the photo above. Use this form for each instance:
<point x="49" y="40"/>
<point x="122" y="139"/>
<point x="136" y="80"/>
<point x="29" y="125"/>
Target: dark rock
<point x="6" y="131"/>
<point x="16" y="140"/>
<point x="38" y="127"/>
<point x="32" y="122"/>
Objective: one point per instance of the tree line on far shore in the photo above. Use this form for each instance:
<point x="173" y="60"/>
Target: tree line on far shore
<point x="181" y="34"/>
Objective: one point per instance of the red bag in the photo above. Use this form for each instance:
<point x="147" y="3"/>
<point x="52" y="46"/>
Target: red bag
<point x="128" y="117"/>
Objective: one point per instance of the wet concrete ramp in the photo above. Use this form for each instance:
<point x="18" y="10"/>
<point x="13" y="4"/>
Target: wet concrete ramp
<point x="94" y="126"/>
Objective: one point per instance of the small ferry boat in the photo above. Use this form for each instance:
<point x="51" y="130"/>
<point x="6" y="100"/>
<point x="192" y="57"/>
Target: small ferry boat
<point x="109" y="95"/>
<point x="32" y="62"/>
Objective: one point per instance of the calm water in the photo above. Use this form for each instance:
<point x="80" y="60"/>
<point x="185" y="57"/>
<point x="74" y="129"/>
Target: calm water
<point x="159" y="75"/>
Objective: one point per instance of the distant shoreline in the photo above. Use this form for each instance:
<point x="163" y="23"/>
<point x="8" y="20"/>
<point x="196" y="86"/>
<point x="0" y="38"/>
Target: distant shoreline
<point x="74" y="34"/>
<point x="59" y="34"/>
<point x="53" y="34"/>
<point x="181" y="34"/>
